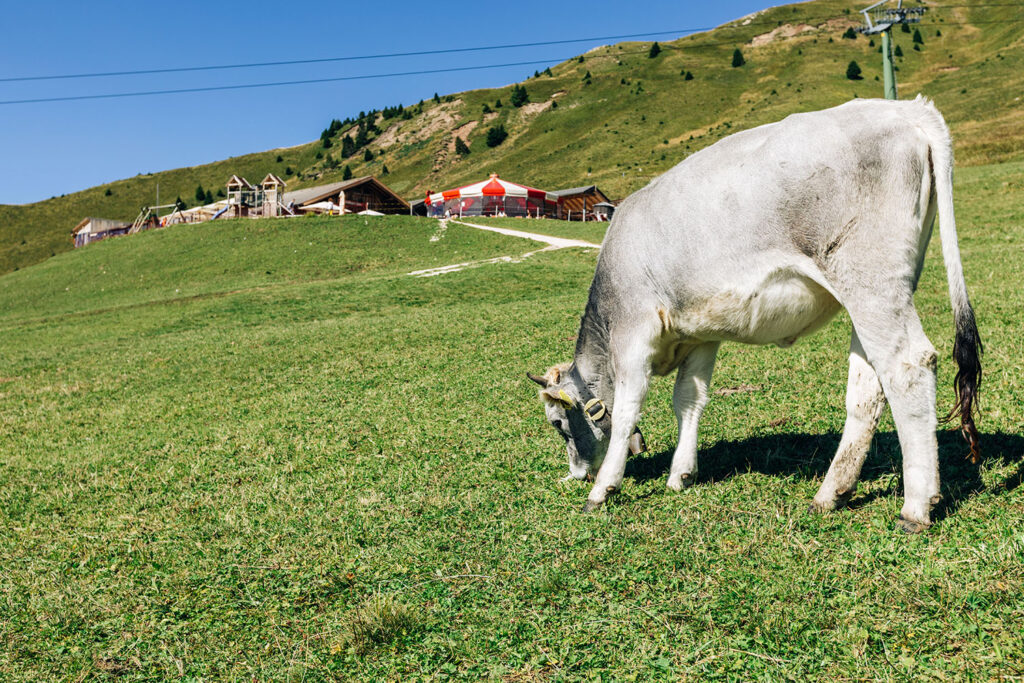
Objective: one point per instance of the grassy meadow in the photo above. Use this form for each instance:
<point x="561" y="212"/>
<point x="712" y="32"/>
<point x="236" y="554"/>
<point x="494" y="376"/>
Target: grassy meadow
<point x="261" y="450"/>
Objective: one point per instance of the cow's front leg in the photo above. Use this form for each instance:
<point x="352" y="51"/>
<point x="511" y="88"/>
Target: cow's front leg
<point x="689" y="398"/>
<point x="865" y="403"/>
<point x="632" y="379"/>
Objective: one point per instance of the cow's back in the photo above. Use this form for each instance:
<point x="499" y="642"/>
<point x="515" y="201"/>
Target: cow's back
<point x="761" y="203"/>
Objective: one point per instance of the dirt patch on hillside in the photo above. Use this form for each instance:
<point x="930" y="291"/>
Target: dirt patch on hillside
<point x="463" y="132"/>
<point x="784" y="31"/>
<point x="437" y="119"/>
<point x="696" y="132"/>
<point x="531" y="109"/>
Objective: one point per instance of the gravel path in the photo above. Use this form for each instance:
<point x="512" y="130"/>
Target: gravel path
<point x="551" y="242"/>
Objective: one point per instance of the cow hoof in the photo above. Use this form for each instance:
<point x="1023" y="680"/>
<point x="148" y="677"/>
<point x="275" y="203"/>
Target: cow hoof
<point x="909" y="527"/>
<point x="681" y="482"/>
<point x="591" y="506"/>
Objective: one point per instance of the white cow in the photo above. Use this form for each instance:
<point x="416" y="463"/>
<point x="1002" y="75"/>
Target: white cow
<point x="761" y="238"/>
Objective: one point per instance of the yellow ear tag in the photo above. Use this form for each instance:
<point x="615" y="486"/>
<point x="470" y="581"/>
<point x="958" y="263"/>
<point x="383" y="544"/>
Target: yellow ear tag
<point x="566" y="398"/>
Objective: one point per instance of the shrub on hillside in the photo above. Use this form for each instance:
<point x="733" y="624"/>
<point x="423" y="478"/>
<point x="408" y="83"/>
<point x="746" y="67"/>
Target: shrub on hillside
<point x="737" y="58"/>
<point x="347" y="173"/>
<point x="850" y="34"/>
<point x="853" y="71"/>
<point x="460" y="147"/>
<point x="496" y="135"/>
<point x="654" y="51"/>
<point x="108" y="192"/>
<point x="367" y="155"/>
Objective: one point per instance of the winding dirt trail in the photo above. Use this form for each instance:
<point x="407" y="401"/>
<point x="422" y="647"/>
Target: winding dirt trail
<point x="552" y="243"/>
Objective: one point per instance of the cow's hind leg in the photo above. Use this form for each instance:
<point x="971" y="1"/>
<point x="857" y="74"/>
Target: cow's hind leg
<point x="865" y="403"/>
<point x="689" y="398"/>
<point x="904" y="359"/>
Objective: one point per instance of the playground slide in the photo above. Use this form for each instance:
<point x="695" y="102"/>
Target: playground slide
<point x="217" y="215"/>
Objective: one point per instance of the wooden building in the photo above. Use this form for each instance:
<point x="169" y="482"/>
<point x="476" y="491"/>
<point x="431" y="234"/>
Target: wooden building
<point x="577" y="203"/>
<point x="95" y="229"/>
<point x="243" y="197"/>
<point x="347" y="196"/>
<point x="273" y="196"/>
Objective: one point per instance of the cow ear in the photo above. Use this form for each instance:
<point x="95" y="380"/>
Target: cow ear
<point x="538" y="379"/>
<point x="558" y="395"/>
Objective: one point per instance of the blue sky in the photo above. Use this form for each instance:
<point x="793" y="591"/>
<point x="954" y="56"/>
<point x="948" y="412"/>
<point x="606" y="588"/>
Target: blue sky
<point x="53" y="148"/>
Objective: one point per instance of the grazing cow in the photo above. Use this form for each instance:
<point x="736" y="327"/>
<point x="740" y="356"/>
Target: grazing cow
<point x="761" y="238"/>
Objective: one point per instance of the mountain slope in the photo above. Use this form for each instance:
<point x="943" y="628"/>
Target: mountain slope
<point x="633" y="118"/>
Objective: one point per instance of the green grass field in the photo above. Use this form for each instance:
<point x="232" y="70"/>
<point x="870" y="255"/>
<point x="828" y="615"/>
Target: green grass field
<point x="261" y="450"/>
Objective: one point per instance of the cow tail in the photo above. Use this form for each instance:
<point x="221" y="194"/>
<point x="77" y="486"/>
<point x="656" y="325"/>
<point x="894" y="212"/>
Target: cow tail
<point x="967" y="346"/>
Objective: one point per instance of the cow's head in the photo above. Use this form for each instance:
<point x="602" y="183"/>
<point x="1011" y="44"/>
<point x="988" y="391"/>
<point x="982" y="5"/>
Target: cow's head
<point x="580" y="418"/>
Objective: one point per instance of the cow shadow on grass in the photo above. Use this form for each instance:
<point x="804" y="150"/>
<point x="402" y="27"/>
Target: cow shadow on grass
<point x="809" y="455"/>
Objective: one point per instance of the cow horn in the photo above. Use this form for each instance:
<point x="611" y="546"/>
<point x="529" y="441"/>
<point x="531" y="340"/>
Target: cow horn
<point x="539" y="380"/>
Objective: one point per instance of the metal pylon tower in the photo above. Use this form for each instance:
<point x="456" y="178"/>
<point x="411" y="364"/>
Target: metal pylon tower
<point x="879" y="19"/>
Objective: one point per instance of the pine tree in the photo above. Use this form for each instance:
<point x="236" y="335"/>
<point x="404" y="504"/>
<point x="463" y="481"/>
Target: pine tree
<point x="519" y="96"/>
<point x="108" y="192"/>
<point x="200" y="193"/>
<point x="547" y="72"/>
<point x="654" y="51"/>
<point x="487" y="109"/>
<point x="917" y="37"/>
<point x="384" y="170"/>
<point x="367" y="155"/>
<point x="737" y="58"/>
<point x="347" y="173"/>
<point x="460" y="147"/>
<point x="180" y="205"/>
<point x="850" y="34"/>
<point x="437" y="98"/>
<point x="689" y="76"/>
<point x="497" y="103"/>
<point x="898" y="51"/>
<point x="209" y="197"/>
<point x="348" y="147"/>
<point x="853" y="72"/>
<point x="496" y="135"/>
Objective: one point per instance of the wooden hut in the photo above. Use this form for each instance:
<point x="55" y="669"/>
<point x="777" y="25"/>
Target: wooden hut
<point x="577" y="203"/>
<point x="242" y="196"/>
<point x="273" y="196"/>
<point x="95" y="229"/>
<point x="347" y="196"/>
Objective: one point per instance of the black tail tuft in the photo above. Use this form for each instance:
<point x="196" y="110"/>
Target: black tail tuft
<point x="967" y="351"/>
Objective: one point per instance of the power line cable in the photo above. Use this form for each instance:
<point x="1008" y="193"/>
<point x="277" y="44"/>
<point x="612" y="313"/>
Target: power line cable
<point x="480" y="48"/>
<point x="336" y="79"/>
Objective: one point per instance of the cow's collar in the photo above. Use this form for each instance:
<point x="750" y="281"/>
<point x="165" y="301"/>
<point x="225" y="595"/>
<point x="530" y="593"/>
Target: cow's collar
<point x="593" y="407"/>
<point x="601" y="415"/>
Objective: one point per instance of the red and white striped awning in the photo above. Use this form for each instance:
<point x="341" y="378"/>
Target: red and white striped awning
<point x="493" y="187"/>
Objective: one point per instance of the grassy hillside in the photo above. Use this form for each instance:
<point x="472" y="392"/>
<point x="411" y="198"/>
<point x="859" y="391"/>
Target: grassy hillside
<point x="632" y="119"/>
<point x="261" y="450"/>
